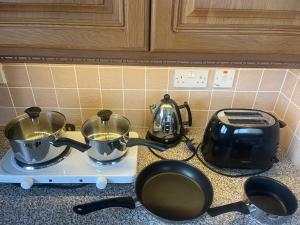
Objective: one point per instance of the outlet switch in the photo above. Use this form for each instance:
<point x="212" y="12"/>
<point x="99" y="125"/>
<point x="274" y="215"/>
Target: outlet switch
<point x="224" y="78"/>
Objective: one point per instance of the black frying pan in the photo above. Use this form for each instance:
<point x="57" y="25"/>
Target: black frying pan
<point x="170" y="189"/>
<point x="267" y="195"/>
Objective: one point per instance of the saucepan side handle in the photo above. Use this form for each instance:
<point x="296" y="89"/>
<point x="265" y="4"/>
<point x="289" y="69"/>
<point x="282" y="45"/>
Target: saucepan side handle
<point x="72" y="143"/>
<point x="152" y="144"/>
<point x="124" y="202"/>
<point x="236" y="206"/>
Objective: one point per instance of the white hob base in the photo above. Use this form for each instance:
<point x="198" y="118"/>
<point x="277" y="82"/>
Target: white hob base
<point x="76" y="168"/>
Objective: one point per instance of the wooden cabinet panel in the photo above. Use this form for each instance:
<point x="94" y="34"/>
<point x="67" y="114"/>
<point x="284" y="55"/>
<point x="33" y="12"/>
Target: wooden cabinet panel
<point x="226" y="26"/>
<point x="74" y="24"/>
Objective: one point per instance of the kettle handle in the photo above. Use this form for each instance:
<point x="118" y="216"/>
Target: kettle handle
<point x="188" y="109"/>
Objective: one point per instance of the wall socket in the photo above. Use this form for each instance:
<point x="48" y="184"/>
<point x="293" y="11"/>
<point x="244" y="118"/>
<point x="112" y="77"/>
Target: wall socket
<point x="2" y="77"/>
<point x="190" y="78"/>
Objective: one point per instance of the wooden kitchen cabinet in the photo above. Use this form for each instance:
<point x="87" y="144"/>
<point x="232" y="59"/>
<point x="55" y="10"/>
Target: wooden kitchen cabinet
<point x="73" y="24"/>
<point x="233" y="27"/>
<point x="231" y="33"/>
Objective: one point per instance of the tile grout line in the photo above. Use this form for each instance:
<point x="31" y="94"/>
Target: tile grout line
<point x="123" y="97"/>
<point x="285" y="75"/>
<point x="55" y="92"/>
<point x="168" y="81"/>
<point x="79" y="101"/>
<point x="289" y="103"/>
<point x="236" y="84"/>
<point x="294" y="136"/>
<point x="209" y="106"/>
<point x="290" y="99"/>
<point x="294" y="74"/>
<point x="10" y="96"/>
<point x="259" y="84"/>
<point x="100" y="87"/>
<point x="131" y="89"/>
<point x="34" y="100"/>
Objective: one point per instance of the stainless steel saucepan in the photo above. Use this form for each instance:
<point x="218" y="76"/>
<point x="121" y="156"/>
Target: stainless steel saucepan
<point x="108" y="136"/>
<point x="38" y="136"/>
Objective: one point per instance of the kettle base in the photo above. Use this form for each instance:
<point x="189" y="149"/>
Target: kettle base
<point x="169" y="142"/>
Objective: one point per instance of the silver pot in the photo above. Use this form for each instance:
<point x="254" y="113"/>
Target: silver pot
<point x="108" y="136"/>
<point x="37" y="137"/>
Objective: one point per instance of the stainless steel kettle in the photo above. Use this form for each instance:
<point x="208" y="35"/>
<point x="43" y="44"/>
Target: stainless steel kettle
<point x="167" y="124"/>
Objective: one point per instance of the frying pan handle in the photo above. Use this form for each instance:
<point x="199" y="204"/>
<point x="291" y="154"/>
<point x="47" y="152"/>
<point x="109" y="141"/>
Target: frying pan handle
<point x="70" y="142"/>
<point x="124" y="202"/>
<point x="236" y="206"/>
<point x="152" y="144"/>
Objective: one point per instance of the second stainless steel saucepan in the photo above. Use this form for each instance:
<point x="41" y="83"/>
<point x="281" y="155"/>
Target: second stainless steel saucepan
<point x="38" y="136"/>
<point x="108" y="136"/>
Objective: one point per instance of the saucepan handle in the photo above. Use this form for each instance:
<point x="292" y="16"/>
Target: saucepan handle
<point x="72" y="143"/>
<point x="236" y="206"/>
<point x="124" y="202"/>
<point x="152" y="144"/>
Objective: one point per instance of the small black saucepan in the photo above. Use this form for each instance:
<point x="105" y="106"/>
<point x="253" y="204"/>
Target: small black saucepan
<point x="265" y="197"/>
<point x="172" y="190"/>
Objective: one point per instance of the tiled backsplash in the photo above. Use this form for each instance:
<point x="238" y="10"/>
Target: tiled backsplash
<point x="79" y="91"/>
<point x="287" y="108"/>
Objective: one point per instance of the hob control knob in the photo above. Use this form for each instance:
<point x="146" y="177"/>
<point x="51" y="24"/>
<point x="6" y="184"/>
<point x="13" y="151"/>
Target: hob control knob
<point x="27" y="183"/>
<point x="101" y="182"/>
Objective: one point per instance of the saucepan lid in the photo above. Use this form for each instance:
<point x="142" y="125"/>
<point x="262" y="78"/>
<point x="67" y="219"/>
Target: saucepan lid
<point x="34" y="124"/>
<point x="105" y="126"/>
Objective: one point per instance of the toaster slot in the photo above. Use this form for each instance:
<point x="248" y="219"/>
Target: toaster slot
<point x="248" y="121"/>
<point x="242" y="114"/>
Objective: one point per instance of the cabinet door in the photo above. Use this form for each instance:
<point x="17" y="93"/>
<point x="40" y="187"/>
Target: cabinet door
<point x="74" y="24"/>
<point x="226" y="26"/>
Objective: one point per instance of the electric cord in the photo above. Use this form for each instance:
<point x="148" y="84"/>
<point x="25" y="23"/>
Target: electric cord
<point x="213" y="169"/>
<point x="190" y="145"/>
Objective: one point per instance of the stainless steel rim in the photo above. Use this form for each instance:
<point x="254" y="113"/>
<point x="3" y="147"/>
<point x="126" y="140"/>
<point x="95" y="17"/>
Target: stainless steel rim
<point x="24" y="116"/>
<point x="112" y="140"/>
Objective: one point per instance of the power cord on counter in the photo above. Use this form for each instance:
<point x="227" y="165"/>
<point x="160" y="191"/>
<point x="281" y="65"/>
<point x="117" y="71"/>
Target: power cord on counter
<point x="189" y="143"/>
<point x="210" y="167"/>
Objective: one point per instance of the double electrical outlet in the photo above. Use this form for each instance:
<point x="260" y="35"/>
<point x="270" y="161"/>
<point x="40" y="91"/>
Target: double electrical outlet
<point x="198" y="78"/>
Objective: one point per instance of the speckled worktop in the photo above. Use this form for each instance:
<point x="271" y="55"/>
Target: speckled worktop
<point x="49" y="205"/>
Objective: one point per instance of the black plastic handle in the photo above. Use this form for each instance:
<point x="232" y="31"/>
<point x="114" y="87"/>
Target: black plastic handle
<point x="33" y="112"/>
<point x="281" y="124"/>
<point x="152" y="144"/>
<point x="236" y="206"/>
<point x="104" y="114"/>
<point x="124" y="202"/>
<point x="72" y="143"/>
<point x="188" y="109"/>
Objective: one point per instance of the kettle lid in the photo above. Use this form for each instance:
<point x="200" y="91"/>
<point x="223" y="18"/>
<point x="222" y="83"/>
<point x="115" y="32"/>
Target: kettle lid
<point x="166" y="99"/>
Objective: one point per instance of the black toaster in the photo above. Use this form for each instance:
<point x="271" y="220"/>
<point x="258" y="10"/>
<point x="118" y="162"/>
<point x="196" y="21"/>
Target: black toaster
<point x="241" y="139"/>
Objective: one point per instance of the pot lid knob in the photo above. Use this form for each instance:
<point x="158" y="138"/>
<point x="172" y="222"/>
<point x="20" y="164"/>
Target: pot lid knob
<point x="104" y="114"/>
<point x="33" y="112"/>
